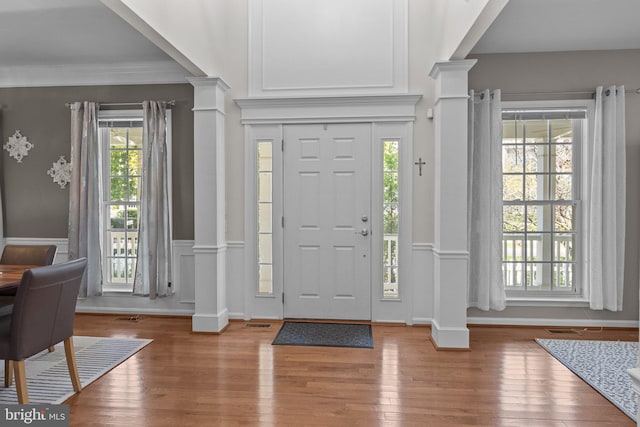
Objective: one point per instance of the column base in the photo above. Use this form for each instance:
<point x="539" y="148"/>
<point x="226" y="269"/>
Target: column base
<point x="449" y="338"/>
<point x="210" y="323"/>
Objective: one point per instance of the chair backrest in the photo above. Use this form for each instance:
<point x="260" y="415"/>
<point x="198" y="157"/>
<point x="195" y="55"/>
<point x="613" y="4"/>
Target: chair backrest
<point x="28" y="254"/>
<point x="44" y="307"/>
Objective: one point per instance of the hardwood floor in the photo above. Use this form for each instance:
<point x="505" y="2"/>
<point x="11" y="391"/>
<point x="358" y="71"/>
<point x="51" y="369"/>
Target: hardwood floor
<point x="239" y="379"/>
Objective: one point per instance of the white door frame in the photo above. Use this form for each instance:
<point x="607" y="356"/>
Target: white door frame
<point x="391" y="117"/>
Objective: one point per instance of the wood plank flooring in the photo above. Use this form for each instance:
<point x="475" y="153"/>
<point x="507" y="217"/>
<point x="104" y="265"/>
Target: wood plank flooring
<point x="239" y="379"/>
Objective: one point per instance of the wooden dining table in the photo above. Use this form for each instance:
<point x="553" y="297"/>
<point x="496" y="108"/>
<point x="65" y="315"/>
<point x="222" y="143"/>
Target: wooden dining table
<point x="10" y="274"/>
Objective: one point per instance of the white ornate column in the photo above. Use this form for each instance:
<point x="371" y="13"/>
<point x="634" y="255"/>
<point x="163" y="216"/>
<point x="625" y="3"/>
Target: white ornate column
<point x="211" y="314"/>
<point x="449" y="327"/>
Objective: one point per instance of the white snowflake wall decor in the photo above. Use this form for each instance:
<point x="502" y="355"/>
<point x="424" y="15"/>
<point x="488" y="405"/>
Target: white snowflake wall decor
<point x="60" y="172"/>
<point x="18" y="146"/>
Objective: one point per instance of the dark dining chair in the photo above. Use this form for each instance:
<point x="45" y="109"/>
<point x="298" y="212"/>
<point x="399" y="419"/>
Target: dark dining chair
<point x="42" y="316"/>
<point x="26" y="255"/>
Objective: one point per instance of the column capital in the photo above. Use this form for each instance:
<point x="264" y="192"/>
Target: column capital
<point x="208" y="93"/>
<point x="452" y="78"/>
<point x="209" y="81"/>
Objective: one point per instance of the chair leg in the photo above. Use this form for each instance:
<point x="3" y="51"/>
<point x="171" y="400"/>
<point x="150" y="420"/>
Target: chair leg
<point x="8" y="373"/>
<point x="71" y="364"/>
<point x="21" y="381"/>
<point x="52" y="349"/>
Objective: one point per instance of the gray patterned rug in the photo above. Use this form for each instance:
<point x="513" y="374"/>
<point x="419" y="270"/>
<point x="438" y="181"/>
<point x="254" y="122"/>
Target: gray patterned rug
<point x="324" y="334"/>
<point x="603" y="365"/>
<point x="48" y="380"/>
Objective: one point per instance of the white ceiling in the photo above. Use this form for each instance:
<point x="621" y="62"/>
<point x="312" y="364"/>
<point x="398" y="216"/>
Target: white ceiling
<point x="83" y="42"/>
<point x="563" y="25"/>
<point x="76" y="39"/>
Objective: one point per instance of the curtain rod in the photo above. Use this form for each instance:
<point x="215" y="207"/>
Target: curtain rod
<point x="580" y="92"/>
<point x="122" y="104"/>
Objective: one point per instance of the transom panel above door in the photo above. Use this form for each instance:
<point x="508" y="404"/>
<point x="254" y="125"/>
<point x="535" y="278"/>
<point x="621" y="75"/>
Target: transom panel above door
<point x="327" y="226"/>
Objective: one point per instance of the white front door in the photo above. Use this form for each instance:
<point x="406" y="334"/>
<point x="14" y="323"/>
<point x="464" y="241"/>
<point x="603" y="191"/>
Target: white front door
<point x="327" y="226"/>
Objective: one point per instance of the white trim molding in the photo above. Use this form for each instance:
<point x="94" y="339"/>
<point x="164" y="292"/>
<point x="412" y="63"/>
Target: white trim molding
<point x="211" y="314"/>
<point x="329" y="109"/>
<point x="374" y="58"/>
<point x="451" y="257"/>
<point x="391" y="117"/>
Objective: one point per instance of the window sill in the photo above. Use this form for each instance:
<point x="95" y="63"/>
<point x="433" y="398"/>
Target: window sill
<point x="547" y="302"/>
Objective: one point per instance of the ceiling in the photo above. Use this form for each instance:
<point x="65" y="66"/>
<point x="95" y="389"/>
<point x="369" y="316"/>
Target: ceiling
<point x="53" y="39"/>
<point x="83" y="42"/>
<point x="563" y="25"/>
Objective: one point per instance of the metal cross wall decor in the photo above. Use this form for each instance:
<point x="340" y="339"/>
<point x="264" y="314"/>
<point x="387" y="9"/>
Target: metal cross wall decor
<point x="420" y="163"/>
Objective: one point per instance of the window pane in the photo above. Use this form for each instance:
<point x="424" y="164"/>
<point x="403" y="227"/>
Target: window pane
<point x="390" y="187"/>
<point x="512" y="158"/>
<point x="390" y="218"/>
<point x="512" y="187"/>
<point x="134" y="189"/>
<point x="264" y="187"/>
<point x="264" y="217"/>
<point x="265" y="279"/>
<point x="135" y="137"/>
<point x="264" y="156"/>
<point x="538" y="276"/>
<point x="562" y="187"/>
<point x="539" y="247"/>
<point x="264" y="248"/>
<point x="132" y="217"/>
<point x="539" y="218"/>
<point x="513" y="247"/>
<point x="118" y="162"/>
<point x="512" y="218"/>
<point x="512" y="131"/>
<point x="118" y="138"/>
<point x="563" y="158"/>
<point x="131" y="269"/>
<point x="135" y="162"/>
<point x="561" y="130"/>
<point x="390" y="213"/>
<point x="563" y="218"/>
<point x="537" y="187"/>
<point x="563" y="247"/>
<point x="536" y="131"/>
<point x="117" y="216"/>
<point x="563" y="276"/>
<point x="537" y="158"/>
<point x="513" y="275"/>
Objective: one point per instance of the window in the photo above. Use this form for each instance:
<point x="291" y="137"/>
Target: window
<point x="265" y="205"/>
<point x="120" y="138"/>
<point x="121" y="143"/>
<point x="541" y="164"/>
<point x="390" y="220"/>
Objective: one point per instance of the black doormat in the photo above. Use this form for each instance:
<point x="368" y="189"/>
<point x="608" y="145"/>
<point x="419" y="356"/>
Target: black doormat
<point x="324" y="334"/>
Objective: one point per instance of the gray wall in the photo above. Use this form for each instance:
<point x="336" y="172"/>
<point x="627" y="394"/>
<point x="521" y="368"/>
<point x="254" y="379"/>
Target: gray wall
<point x="568" y="72"/>
<point x="33" y="205"/>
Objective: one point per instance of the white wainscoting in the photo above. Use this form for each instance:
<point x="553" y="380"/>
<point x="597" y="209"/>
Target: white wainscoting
<point x="422" y="283"/>
<point x="236" y="281"/>
<point x="181" y="303"/>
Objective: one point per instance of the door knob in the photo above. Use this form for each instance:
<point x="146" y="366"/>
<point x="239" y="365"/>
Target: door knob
<point x="365" y="218"/>
<point x="363" y="232"/>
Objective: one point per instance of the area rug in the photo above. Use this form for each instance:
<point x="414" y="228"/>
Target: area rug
<point x="324" y="334"/>
<point x="48" y="378"/>
<point x="603" y="365"/>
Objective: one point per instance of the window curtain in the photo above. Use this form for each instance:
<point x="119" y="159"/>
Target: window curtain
<point x="153" y="265"/>
<point x="607" y="200"/>
<point x="486" y="286"/>
<point x="85" y="195"/>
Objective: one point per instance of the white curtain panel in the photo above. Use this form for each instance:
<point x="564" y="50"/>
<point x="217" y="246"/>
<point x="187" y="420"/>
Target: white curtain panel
<point x="607" y="201"/>
<point x="486" y="286"/>
<point x="153" y="266"/>
<point x="85" y="195"/>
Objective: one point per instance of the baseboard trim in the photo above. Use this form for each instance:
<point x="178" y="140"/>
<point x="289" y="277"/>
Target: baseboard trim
<point x="514" y="321"/>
